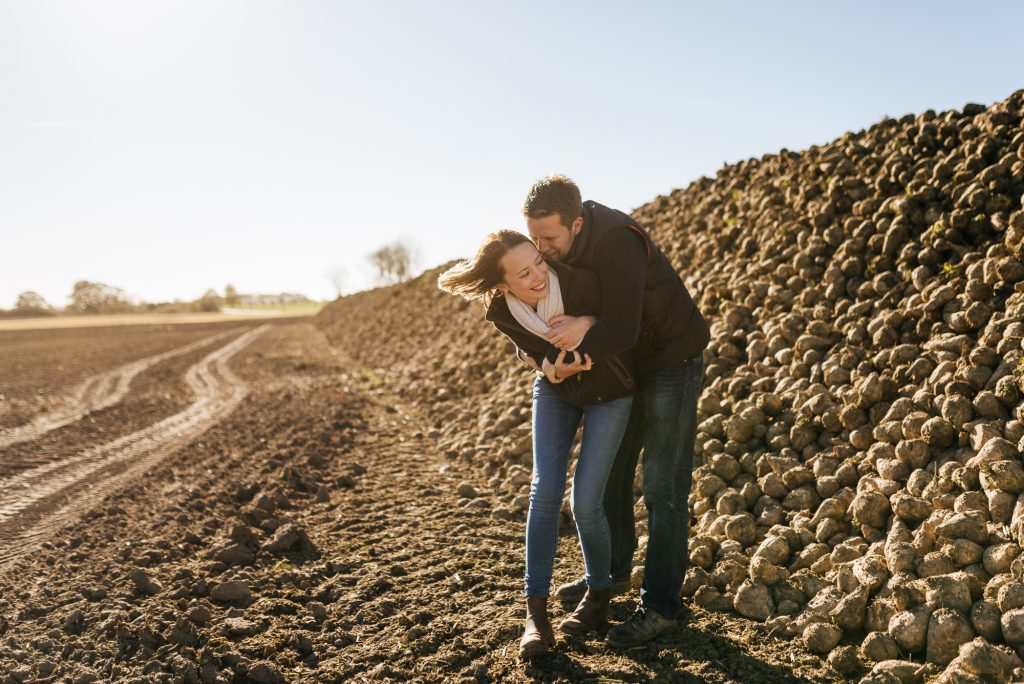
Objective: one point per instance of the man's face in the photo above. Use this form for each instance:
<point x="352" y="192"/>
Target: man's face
<point x="552" y="238"/>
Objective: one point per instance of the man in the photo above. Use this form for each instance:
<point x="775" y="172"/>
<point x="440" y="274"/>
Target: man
<point x="644" y="306"/>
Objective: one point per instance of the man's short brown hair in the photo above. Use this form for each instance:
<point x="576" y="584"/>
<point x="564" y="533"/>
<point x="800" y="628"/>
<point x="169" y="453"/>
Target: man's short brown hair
<point x="556" y="194"/>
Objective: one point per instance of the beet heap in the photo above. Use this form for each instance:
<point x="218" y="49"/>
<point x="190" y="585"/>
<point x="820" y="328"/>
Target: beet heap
<point x="859" y="481"/>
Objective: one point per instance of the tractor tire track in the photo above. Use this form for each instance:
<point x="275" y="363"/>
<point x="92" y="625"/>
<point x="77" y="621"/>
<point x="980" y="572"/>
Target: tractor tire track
<point x="39" y="501"/>
<point x="95" y="393"/>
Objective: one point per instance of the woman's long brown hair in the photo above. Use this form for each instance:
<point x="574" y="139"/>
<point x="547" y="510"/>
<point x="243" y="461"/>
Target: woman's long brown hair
<point x="476" y="278"/>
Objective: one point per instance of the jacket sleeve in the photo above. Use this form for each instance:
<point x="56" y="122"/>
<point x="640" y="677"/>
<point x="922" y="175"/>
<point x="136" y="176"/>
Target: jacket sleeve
<point x="620" y="262"/>
<point x="522" y="340"/>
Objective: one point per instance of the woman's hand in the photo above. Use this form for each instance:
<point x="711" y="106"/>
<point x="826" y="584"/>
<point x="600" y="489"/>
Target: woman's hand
<point x="580" y="363"/>
<point x="550" y="369"/>
<point x="568" y="331"/>
<point x="527" y="359"/>
<point x="561" y="369"/>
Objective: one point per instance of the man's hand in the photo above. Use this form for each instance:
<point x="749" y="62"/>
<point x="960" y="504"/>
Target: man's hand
<point x="568" y="331"/>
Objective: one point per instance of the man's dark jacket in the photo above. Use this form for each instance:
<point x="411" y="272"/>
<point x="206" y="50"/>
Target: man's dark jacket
<point x="610" y="378"/>
<point x="667" y="329"/>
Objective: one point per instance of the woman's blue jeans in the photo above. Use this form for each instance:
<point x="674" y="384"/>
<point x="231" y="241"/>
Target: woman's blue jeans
<point x="555" y="422"/>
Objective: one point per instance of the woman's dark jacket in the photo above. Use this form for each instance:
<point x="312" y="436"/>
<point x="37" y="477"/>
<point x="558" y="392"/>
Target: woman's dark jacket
<point x="581" y="296"/>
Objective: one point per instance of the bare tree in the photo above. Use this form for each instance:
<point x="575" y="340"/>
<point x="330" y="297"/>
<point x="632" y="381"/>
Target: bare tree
<point x="393" y="263"/>
<point x="30" y="301"/>
<point x="338" y="277"/>
<point x="230" y="295"/>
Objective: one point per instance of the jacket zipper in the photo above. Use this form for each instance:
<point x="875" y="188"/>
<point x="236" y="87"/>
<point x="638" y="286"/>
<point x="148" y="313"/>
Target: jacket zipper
<point x="620" y="372"/>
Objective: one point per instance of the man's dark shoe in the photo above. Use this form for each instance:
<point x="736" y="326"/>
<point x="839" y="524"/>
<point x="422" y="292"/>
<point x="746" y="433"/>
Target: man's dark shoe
<point x="643" y="626"/>
<point x="590" y="615"/>
<point x="574" y="591"/>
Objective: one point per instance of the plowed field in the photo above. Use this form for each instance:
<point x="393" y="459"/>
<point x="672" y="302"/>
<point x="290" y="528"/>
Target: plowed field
<point x="256" y="508"/>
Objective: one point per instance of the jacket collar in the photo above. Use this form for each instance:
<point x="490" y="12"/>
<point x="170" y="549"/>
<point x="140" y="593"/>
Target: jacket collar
<point x="581" y="241"/>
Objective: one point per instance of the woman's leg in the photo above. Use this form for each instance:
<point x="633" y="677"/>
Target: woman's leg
<point x="603" y="427"/>
<point x="554" y="425"/>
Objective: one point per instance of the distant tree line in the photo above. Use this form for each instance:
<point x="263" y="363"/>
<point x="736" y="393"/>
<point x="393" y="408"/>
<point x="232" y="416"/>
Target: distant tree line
<point x="393" y="263"/>
<point x="88" y="297"/>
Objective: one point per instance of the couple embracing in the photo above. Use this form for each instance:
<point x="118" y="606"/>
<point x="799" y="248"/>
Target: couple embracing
<point x="617" y="341"/>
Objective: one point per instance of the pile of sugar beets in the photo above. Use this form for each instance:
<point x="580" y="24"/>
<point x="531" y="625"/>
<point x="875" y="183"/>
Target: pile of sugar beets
<point x="860" y="482"/>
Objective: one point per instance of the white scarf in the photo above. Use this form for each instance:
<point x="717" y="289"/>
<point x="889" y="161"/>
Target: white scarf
<point x="550" y="305"/>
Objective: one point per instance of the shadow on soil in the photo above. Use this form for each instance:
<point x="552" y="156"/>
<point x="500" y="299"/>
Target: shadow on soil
<point x="691" y="653"/>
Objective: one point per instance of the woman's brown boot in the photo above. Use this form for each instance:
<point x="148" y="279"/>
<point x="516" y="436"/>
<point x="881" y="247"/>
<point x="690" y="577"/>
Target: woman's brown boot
<point x="539" y="636"/>
<point x="590" y="615"/>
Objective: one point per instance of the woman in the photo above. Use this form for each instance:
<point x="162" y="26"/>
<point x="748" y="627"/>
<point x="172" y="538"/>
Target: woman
<point x="521" y="293"/>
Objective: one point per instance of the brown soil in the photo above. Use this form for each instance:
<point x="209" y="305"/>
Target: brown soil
<point x="39" y="367"/>
<point x="155" y="393"/>
<point x="382" y="572"/>
<point x="38" y="499"/>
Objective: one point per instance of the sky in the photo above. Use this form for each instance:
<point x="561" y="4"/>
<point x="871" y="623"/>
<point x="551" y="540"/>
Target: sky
<point x="170" y="147"/>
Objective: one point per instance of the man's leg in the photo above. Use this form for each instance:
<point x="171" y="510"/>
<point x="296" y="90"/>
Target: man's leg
<point x="670" y="426"/>
<point x="668" y="474"/>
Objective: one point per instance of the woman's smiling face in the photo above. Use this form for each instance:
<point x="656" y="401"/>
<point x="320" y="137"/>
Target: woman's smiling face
<point x="526" y="273"/>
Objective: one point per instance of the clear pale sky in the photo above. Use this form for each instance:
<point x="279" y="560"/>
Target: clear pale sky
<point x="169" y="147"/>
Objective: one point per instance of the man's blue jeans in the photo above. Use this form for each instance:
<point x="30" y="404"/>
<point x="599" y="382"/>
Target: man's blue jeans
<point x="555" y="422"/>
<point x="664" y="423"/>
